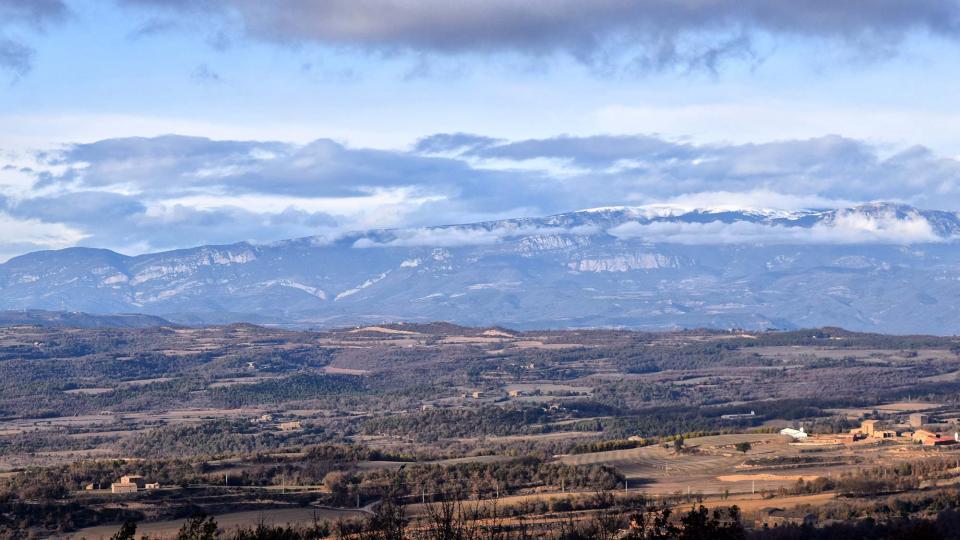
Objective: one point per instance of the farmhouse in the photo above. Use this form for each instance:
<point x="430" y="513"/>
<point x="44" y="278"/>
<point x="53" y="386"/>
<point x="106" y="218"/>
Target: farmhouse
<point x="867" y="427"/>
<point x="290" y="426"/>
<point x="795" y="434"/>
<point x="918" y="420"/>
<point x="130" y="483"/>
<point x="777" y="517"/>
<point x="134" y="479"/>
<point x="929" y="438"/>
<point x="120" y="487"/>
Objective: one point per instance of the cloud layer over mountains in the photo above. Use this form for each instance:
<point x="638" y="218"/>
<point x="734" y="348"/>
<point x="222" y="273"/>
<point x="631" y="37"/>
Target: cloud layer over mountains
<point x="140" y="194"/>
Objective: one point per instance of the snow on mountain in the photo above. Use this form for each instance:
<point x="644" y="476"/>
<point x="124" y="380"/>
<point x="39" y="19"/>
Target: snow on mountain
<point x="876" y="266"/>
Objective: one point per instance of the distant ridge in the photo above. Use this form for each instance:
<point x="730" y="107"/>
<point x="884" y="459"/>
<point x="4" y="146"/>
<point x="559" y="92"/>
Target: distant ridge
<point x="39" y="317"/>
<point x="876" y="267"/>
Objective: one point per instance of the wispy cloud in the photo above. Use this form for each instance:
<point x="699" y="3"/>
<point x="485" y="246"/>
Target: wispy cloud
<point x="15" y="55"/>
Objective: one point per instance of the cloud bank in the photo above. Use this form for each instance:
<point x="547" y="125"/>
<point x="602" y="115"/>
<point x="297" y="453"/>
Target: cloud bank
<point x="847" y="228"/>
<point x="144" y="194"/>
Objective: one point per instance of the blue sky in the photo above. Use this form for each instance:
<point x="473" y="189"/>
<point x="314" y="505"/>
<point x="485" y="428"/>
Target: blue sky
<point x="141" y="125"/>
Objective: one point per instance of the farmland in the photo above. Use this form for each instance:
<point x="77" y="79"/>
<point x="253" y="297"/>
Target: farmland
<point x="251" y="424"/>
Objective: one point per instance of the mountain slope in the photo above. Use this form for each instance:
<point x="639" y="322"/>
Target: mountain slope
<point x="59" y="319"/>
<point x="879" y="267"/>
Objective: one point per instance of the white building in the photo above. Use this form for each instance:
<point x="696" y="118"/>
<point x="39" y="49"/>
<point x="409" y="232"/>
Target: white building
<point x="795" y="434"/>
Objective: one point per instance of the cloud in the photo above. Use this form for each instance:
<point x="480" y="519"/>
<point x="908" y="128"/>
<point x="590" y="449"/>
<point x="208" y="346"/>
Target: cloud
<point x="847" y="227"/>
<point x="465" y="236"/>
<point x="170" y="166"/>
<point x="16" y="56"/>
<point x="442" y="143"/>
<point x="24" y="235"/>
<point x="139" y="194"/>
<point x="205" y="74"/>
<point x="649" y="34"/>
<point x="126" y="223"/>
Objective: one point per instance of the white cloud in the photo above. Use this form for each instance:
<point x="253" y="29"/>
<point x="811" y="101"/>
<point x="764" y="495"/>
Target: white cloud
<point x="20" y="235"/>
<point x="778" y="120"/>
<point x="466" y="236"/>
<point x="848" y="227"/>
<point x="755" y="199"/>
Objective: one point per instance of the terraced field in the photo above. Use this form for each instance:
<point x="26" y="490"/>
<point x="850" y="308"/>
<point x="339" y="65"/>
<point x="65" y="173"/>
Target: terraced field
<point x="659" y="470"/>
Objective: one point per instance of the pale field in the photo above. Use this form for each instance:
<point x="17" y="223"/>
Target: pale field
<point x="381" y="330"/>
<point x="345" y="371"/>
<point x="547" y="387"/>
<point x="370" y="465"/>
<point x="277" y="516"/>
<point x="870" y="356"/>
<point x="540" y="436"/>
<point x="456" y="340"/>
<point x="898" y="407"/>
<point x="748" y="503"/>
<point x="241" y="380"/>
<point x="533" y="344"/>
<point x="716" y="467"/>
<point x="943" y="377"/>
<point x="766" y="476"/>
<point x="144" y="382"/>
<point x="498" y="333"/>
<point x="89" y="391"/>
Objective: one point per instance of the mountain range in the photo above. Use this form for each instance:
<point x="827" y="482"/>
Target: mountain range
<point x="876" y="267"/>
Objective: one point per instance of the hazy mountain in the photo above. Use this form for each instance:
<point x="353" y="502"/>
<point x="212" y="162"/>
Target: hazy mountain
<point x="878" y="267"/>
<point x="73" y="319"/>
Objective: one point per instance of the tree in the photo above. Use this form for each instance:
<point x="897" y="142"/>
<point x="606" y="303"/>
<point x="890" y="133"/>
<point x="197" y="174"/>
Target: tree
<point x="678" y="444"/>
<point x="199" y="527"/>
<point x="128" y="531"/>
<point x="743" y="447"/>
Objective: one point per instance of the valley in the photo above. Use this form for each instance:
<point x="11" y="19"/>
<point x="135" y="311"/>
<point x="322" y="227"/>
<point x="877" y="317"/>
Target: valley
<point x="248" y="424"/>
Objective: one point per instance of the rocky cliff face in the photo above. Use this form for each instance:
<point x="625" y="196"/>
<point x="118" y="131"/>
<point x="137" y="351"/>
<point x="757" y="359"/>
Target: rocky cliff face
<point x="877" y="267"/>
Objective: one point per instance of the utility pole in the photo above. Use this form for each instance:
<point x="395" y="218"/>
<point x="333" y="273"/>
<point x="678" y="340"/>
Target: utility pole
<point x="753" y="487"/>
<point x="562" y="489"/>
<point x="626" y="488"/>
<point x="226" y="479"/>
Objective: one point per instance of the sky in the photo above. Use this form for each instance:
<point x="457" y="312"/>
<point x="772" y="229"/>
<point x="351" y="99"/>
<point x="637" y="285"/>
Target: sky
<point x="145" y="125"/>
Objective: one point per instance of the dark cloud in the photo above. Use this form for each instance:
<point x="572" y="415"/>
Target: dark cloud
<point x="654" y="34"/>
<point x="80" y="208"/>
<point x="36" y="13"/>
<point x="16" y="56"/>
